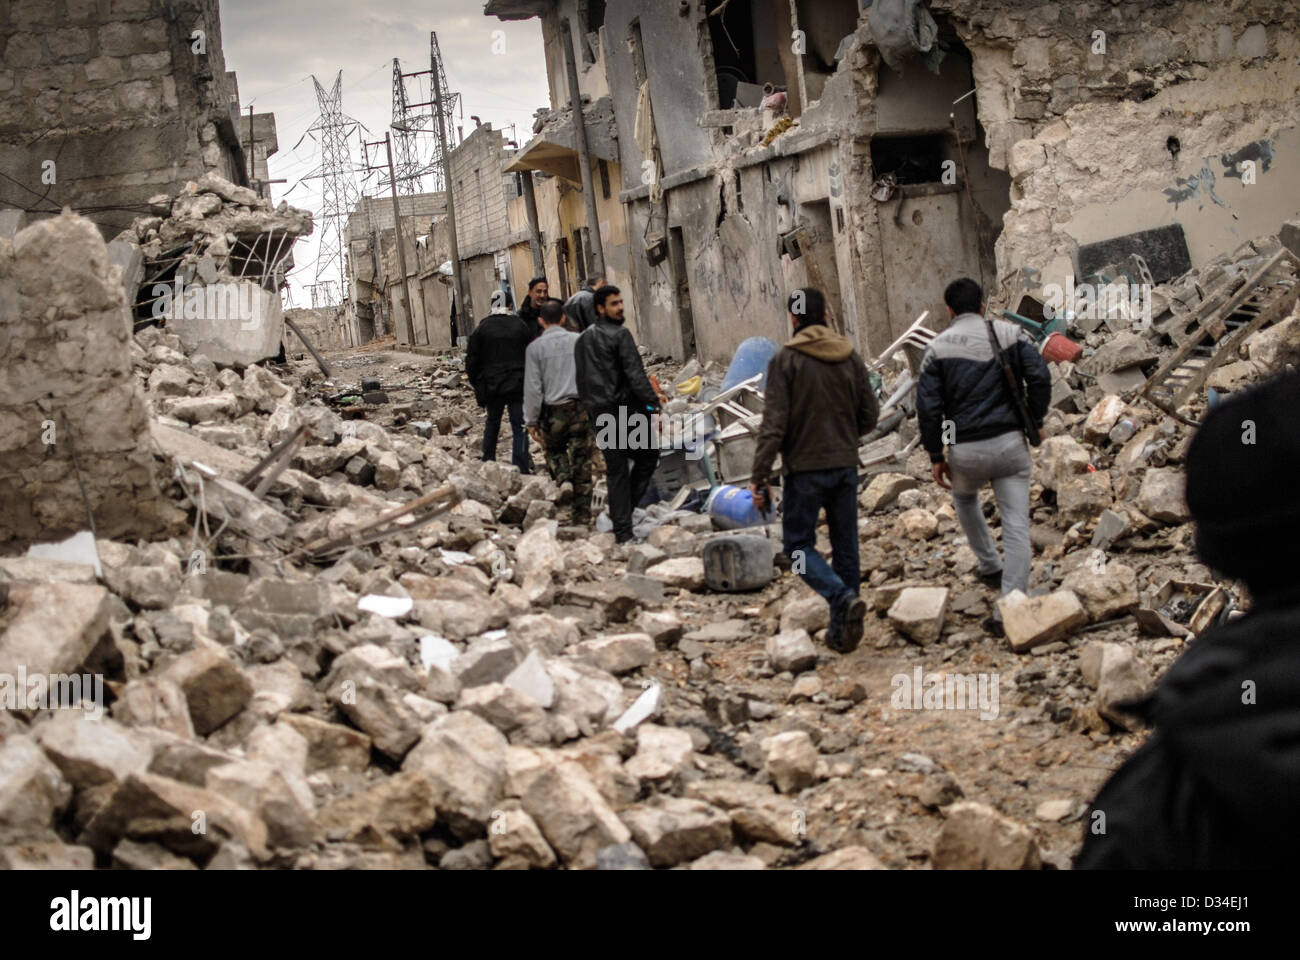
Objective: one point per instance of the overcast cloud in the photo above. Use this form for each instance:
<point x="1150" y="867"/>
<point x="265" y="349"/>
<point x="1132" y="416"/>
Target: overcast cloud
<point x="276" y="45"/>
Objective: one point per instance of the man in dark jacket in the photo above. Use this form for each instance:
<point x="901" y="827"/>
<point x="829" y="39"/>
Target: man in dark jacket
<point x="818" y="403"/>
<point x="580" y="309"/>
<point x="964" y="401"/>
<point x="494" y="362"/>
<point x="532" y="306"/>
<point x="620" y="400"/>
<point x="1217" y="781"/>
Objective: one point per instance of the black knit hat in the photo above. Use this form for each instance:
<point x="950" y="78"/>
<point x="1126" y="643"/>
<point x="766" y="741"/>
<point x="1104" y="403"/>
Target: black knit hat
<point x="1243" y="486"/>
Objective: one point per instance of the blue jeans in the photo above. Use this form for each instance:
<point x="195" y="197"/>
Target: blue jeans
<point x="806" y="494"/>
<point x="519" y="432"/>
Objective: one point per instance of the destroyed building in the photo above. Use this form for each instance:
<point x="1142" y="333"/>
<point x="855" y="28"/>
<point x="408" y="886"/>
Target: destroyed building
<point x="316" y="615"/>
<point x="1016" y="143"/>
<point x="104" y="105"/>
<point x="376" y="289"/>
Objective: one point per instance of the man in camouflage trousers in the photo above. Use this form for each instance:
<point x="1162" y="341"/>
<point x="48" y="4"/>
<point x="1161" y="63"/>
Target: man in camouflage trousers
<point x="554" y="416"/>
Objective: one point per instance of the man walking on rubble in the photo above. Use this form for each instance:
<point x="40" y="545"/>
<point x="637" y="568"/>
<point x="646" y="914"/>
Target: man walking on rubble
<point x="555" y="417"/>
<point x="494" y="362"/>
<point x="1217" y="781"/>
<point x="620" y="400"/>
<point x="818" y="403"/>
<point x="963" y="401"/>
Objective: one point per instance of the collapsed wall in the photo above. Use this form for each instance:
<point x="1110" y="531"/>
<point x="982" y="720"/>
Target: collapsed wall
<point x="71" y="414"/>
<point x="1116" y="119"/>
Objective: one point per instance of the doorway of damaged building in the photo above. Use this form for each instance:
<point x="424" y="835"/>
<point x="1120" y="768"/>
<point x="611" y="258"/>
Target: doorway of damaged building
<point x="944" y="212"/>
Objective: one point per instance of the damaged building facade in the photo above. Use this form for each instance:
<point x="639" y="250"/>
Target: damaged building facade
<point x="104" y="105"/>
<point x="1019" y="143"/>
<point x="377" y="289"/>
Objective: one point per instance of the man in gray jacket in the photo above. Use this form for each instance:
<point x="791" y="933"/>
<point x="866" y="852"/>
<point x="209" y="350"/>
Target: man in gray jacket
<point x="555" y="416"/>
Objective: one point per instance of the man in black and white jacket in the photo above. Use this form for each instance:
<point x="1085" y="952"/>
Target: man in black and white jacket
<point x="963" y="401"/>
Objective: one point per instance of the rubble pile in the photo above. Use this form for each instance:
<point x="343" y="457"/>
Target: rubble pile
<point x="363" y="647"/>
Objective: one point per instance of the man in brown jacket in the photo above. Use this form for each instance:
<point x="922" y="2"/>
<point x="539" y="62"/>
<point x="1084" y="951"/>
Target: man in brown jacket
<point x="818" y="403"/>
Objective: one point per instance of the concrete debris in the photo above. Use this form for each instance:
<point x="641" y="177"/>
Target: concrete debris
<point x="341" y="671"/>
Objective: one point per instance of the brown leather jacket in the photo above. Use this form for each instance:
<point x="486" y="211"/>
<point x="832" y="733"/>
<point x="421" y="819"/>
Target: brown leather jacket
<point x="818" y="403"/>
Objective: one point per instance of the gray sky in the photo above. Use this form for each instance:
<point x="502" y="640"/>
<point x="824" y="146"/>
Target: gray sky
<point x="276" y="45"/>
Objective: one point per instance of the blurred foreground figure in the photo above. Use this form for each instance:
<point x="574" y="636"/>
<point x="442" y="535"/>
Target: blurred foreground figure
<point x="1218" y="780"/>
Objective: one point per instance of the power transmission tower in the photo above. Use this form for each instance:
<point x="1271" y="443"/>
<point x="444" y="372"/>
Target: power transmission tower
<point x="406" y="151"/>
<point x="331" y="130"/>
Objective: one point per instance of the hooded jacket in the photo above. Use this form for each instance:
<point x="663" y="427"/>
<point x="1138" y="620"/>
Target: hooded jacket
<point x="581" y="309"/>
<point x="818" y="403"/>
<point x="1217" y="782"/>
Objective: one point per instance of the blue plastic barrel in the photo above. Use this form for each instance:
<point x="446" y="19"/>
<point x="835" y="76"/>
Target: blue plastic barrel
<point x="731" y="508"/>
<point x="750" y="358"/>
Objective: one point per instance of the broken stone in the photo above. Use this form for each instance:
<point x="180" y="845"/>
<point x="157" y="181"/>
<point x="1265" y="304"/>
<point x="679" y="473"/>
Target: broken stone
<point x="672" y="830"/>
<point x="617" y="654"/>
<point x="686" y="573"/>
<point x="1083" y="497"/>
<point x="1032" y="621"/>
<point x="1102" y="418"/>
<point x="662" y="752"/>
<point x="463" y="757"/>
<point x="919" y="612"/>
<point x="884" y="489"/>
<point x="53" y="627"/>
<point x="791" y="759"/>
<point x="1105" y="595"/>
<point x="329" y="745"/>
<point x="92" y="751"/>
<point x="846" y="858"/>
<point x="398" y="807"/>
<point x="572" y="815"/>
<point x="977" y="837"/>
<point x="918" y="524"/>
<point x="792" y="651"/>
<point x="32" y="791"/>
<point x="1161" y="496"/>
<point x="215" y="689"/>
<point x="809" y="613"/>
<point x="514" y="835"/>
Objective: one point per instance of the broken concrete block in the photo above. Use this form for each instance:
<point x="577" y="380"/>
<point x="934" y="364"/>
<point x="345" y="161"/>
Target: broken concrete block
<point x="485" y="660"/>
<point x="620" y="653"/>
<point x="154" y="702"/>
<point x="1105" y="595"/>
<point x="919" y="612"/>
<point x="664" y="627"/>
<point x="53" y="627"/>
<point x="1084" y="497"/>
<point x="1162" y="497"/>
<point x="32" y="791"/>
<point x="507" y="709"/>
<point x="150" y="808"/>
<point x="791" y="759"/>
<point x="463" y="757"/>
<point x="281" y="799"/>
<point x="586" y="695"/>
<point x="515" y="836"/>
<point x="1102" y="418"/>
<point x="329" y="745"/>
<point x="810" y="613"/>
<point x="1119" y="677"/>
<point x="686" y="573"/>
<point x="662" y="752"/>
<point x="543" y="633"/>
<point x="672" y="830"/>
<point x="538" y="552"/>
<point x="572" y="815"/>
<point x="395" y="808"/>
<point x="215" y="689"/>
<point x="917" y="524"/>
<point x="92" y="751"/>
<point x="1110" y="527"/>
<point x="1058" y="459"/>
<point x="793" y="651"/>
<point x="1031" y="621"/>
<point x="757" y="813"/>
<point x="884" y="489"/>
<point x="232" y="322"/>
<point x="977" y="837"/>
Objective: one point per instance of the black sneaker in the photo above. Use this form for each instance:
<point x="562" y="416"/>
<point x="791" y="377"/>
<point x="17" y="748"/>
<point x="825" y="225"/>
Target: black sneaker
<point x="991" y="580"/>
<point x="993" y="627"/>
